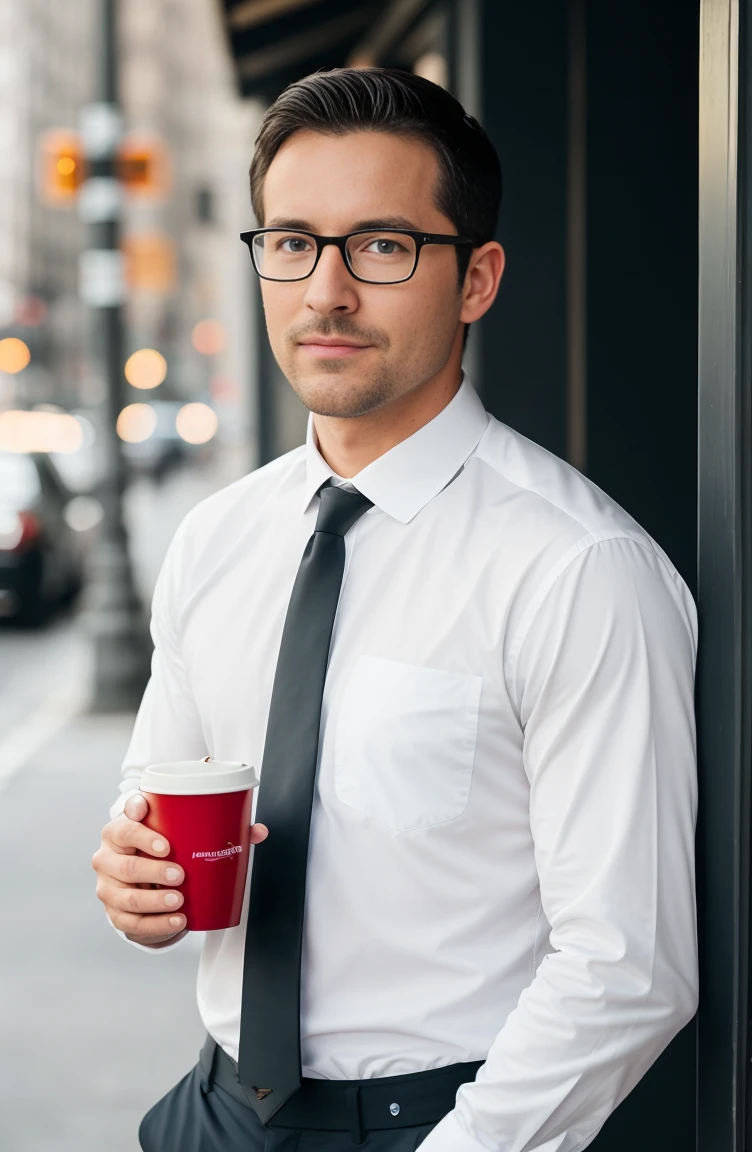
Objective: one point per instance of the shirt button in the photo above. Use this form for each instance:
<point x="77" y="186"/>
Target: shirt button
<point x="394" y="1109"/>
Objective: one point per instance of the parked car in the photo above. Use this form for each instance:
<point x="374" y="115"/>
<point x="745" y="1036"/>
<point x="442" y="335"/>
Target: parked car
<point x="41" y="556"/>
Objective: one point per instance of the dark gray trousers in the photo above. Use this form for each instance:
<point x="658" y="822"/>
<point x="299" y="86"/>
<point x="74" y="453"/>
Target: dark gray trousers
<point x="189" y="1120"/>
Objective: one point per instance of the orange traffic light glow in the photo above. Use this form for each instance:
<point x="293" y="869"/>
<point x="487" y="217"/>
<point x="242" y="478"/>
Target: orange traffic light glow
<point x="14" y="355"/>
<point x="60" y="166"/>
<point x="146" y="368"/>
<point x="150" y="262"/>
<point x="143" y="165"/>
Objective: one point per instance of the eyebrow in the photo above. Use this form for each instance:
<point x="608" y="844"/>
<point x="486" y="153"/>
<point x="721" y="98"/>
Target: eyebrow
<point x="362" y="225"/>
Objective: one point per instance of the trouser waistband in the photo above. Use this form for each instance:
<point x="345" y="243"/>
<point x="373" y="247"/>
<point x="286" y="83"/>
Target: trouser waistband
<point x="353" y="1106"/>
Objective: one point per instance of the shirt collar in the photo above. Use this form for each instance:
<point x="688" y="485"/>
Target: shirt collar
<point x="404" y="479"/>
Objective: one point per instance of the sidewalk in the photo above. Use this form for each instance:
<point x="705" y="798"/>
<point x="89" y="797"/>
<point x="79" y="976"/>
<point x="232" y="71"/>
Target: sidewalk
<point x="92" y="1031"/>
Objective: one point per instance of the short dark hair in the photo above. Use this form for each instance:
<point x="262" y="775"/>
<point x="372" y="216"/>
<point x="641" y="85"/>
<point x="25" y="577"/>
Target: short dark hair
<point x="347" y="100"/>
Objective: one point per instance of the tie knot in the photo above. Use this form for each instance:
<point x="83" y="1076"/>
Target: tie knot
<point x="339" y="510"/>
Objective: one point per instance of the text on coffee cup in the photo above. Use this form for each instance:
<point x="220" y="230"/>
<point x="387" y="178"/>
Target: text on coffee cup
<point x="218" y="854"/>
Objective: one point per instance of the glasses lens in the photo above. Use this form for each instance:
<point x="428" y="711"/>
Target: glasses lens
<point x="283" y="255"/>
<point x="381" y="257"/>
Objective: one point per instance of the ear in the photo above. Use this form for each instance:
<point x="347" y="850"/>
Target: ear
<point x="482" y="280"/>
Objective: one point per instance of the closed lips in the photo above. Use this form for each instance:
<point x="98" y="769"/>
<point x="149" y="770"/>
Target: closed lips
<point x="334" y="343"/>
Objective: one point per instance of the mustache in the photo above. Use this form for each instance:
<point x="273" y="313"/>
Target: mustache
<point x="338" y="326"/>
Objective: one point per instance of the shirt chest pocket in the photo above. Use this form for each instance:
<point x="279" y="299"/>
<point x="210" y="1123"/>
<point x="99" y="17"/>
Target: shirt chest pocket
<point x="405" y="742"/>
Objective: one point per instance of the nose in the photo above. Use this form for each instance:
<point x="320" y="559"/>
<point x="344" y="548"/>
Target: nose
<point x="330" y="287"/>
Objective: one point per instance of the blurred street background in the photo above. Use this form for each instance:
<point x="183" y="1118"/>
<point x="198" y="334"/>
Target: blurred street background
<point x="126" y="395"/>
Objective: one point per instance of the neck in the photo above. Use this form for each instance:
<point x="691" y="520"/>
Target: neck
<point x="349" y="444"/>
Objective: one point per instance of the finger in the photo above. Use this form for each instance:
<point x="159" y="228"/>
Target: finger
<point x="136" y="807"/>
<point x="129" y="869"/>
<point x="148" y="929"/>
<point x="259" y="832"/>
<point x="126" y="835"/>
<point x="168" y="940"/>
<point x="143" y="901"/>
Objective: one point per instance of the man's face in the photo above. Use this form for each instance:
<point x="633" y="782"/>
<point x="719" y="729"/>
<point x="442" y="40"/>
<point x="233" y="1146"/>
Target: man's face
<point x="398" y="335"/>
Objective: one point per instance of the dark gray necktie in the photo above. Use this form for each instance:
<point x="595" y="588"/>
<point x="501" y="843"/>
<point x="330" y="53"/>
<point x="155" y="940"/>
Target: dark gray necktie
<point x="269" y="1064"/>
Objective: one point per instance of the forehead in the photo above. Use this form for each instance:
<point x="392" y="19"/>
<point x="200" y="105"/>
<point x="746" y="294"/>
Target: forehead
<point x="333" y="182"/>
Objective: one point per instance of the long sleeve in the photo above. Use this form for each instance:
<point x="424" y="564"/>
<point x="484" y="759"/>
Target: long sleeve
<point x="604" y="687"/>
<point x="167" y="725"/>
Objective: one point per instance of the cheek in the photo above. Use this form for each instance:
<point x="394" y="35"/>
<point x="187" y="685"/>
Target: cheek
<point x="414" y="312"/>
<point x="424" y="320"/>
<point x="281" y="309"/>
<point x="436" y="287"/>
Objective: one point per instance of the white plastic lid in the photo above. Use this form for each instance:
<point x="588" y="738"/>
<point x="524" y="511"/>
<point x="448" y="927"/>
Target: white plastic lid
<point x="198" y="777"/>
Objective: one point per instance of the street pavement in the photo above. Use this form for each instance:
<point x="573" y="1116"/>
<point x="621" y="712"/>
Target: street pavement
<point x="92" y="1030"/>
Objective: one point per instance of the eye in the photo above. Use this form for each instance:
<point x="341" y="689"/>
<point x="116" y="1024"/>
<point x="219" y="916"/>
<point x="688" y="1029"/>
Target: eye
<point x="294" y="245"/>
<point x="385" y="246"/>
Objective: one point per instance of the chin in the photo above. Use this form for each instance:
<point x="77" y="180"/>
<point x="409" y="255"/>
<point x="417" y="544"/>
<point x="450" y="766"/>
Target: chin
<point x="338" y="394"/>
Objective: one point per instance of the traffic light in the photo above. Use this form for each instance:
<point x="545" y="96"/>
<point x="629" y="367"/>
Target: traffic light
<point x="143" y="166"/>
<point x="60" y="167"/>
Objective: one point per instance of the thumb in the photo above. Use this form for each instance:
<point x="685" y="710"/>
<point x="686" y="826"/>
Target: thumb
<point x="136" y="807"/>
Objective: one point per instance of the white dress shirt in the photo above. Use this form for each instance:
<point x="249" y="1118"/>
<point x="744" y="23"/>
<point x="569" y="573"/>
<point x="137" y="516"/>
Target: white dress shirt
<point x="501" y="852"/>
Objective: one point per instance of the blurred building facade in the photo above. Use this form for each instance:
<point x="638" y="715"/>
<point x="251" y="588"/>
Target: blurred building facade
<point x="187" y="264"/>
<point x="45" y="77"/>
<point x="184" y="259"/>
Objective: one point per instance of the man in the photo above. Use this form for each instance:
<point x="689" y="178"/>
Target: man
<point x="475" y="928"/>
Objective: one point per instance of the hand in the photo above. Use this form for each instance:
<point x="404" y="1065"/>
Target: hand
<point x="140" y="895"/>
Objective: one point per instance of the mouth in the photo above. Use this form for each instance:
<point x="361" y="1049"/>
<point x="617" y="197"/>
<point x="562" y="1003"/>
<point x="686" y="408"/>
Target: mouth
<point x="324" y="349"/>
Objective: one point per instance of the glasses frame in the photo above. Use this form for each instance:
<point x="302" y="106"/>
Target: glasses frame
<point x="420" y="239"/>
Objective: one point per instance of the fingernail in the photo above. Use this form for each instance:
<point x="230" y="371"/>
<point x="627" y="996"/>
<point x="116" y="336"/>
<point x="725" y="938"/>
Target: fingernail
<point x="177" y="921"/>
<point x="171" y="898"/>
<point x="158" y="845"/>
<point x="171" y="875"/>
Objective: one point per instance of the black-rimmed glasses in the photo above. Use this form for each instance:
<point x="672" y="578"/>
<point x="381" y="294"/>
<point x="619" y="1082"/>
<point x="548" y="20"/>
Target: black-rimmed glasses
<point x="371" y="255"/>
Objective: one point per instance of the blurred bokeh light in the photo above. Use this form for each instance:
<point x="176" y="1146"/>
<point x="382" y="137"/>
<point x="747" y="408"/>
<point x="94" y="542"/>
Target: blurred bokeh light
<point x="39" y="432"/>
<point x="208" y="337"/>
<point x="196" y="423"/>
<point x="136" y="423"/>
<point x="83" y="513"/>
<point x="146" y="368"/>
<point x="31" y="311"/>
<point x="14" y="355"/>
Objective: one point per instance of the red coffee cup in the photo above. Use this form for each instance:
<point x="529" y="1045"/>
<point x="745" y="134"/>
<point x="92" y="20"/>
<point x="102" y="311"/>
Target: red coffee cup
<point x="203" y="808"/>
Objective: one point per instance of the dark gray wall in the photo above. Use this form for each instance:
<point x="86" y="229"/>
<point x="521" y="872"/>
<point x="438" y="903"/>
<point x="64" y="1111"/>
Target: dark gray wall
<point x="642" y="264"/>
<point x="524" y="96"/>
<point x="642" y="68"/>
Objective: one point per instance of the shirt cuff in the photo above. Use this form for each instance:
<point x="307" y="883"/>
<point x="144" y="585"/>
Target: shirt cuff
<point x="447" y="1136"/>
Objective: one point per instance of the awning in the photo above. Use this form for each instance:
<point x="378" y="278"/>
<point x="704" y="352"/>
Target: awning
<point x="274" y="42"/>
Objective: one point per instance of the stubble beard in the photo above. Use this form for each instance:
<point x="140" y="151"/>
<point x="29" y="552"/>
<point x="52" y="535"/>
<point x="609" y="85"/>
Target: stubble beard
<point x="348" y="400"/>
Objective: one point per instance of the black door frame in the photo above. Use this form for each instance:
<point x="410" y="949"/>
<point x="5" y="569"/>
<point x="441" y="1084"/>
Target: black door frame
<point x="723" y="687"/>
